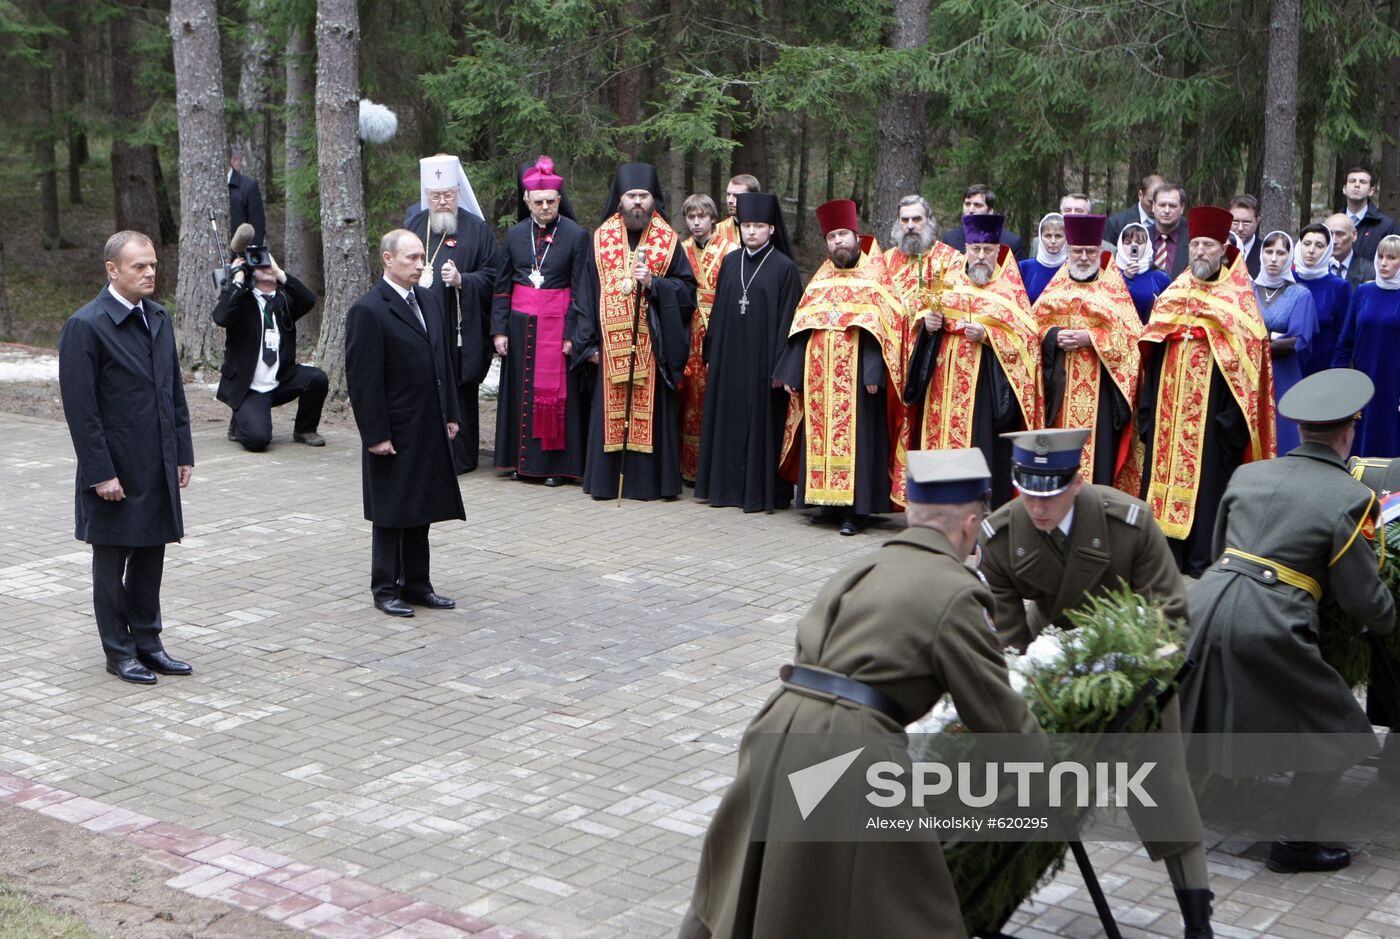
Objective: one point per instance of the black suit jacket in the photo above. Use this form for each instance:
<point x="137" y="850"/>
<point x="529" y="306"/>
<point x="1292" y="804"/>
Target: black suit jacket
<point x="237" y="312"/>
<point x="401" y="389"/>
<point x="957" y="238"/>
<point x="1183" y="247"/>
<point x="1119" y="221"/>
<point x="124" y="401"/>
<point x="1360" y="270"/>
<point x="1374" y="226"/>
<point x="245" y="204"/>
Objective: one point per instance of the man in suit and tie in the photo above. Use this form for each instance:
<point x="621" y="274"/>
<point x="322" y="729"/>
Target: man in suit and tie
<point x="1370" y="222"/>
<point x="1169" y="250"/>
<point x="259" y="316"/>
<point x="399" y="378"/>
<point x="124" y="401"/>
<point x="1244" y="209"/>
<point x="979" y="199"/>
<point x="1347" y="263"/>
<point x="1139" y="212"/>
<point x="245" y="203"/>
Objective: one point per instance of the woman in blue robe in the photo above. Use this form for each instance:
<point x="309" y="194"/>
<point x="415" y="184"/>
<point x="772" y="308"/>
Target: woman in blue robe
<point x="1312" y="257"/>
<point x="1050" y="255"/>
<point x="1288" y="313"/>
<point x="1369" y="339"/>
<point x="1134" y="259"/>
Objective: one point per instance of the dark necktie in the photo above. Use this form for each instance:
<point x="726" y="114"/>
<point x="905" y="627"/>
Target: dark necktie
<point x="413" y="305"/>
<point x="1058" y="541"/>
<point x="269" y="355"/>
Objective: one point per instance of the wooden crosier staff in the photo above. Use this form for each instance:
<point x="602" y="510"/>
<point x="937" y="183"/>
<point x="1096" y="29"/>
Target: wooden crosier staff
<point x="631" y="376"/>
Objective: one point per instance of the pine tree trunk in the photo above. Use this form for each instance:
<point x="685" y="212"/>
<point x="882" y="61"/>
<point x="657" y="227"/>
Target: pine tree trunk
<point x="1305" y="181"/>
<point x="40" y="82"/>
<point x="1388" y="173"/>
<point x="6" y="328"/>
<point x="1280" y="116"/>
<point x="301" y="247"/>
<point x="74" y="78"/>
<point x="255" y="96"/>
<point x="799" y="224"/>
<point x="751" y="156"/>
<point x="900" y="126"/>
<point x="199" y="105"/>
<point x="133" y="174"/>
<point x="342" y="195"/>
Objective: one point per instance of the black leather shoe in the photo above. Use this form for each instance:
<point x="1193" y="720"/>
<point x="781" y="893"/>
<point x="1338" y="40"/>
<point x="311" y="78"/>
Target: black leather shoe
<point x="1290" y="857"/>
<point x="551" y="481"/>
<point x="132" y="671"/>
<point x="394" y="607"/>
<point x="431" y="600"/>
<point x="849" y="527"/>
<point x="312" y="439"/>
<point x="164" y="664"/>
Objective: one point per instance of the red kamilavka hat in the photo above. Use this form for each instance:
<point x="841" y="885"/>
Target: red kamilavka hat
<point x="1209" y="221"/>
<point x="838" y="213"/>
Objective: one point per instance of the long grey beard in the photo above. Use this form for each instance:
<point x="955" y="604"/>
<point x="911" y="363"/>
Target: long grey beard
<point x="1204" y="270"/>
<point x="913" y="244"/>
<point x="980" y="273"/>
<point x="443" y="223"/>
<point x="1084" y="274"/>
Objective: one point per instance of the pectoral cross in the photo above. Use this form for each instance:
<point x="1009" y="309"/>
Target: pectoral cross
<point x="744" y="305"/>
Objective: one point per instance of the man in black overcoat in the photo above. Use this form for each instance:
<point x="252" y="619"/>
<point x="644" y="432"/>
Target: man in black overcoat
<point x="124" y="400"/>
<point x="259" y="316"/>
<point x="245" y="202"/>
<point x="400" y="383"/>
<point x="462" y="263"/>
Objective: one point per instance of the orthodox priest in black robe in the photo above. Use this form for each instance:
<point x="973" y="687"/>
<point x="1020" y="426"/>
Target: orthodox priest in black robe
<point x="741" y="431"/>
<point x="463" y="259"/>
<point x="637" y="279"/>
<point x="541" y="415"/>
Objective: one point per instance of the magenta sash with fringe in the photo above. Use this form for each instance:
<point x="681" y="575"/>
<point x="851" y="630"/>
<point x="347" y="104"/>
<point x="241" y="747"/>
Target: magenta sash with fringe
<point x="548" y="307"/>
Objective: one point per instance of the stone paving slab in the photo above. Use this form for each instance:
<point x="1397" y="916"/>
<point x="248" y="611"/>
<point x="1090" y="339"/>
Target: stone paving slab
<point x="545" y="757"/>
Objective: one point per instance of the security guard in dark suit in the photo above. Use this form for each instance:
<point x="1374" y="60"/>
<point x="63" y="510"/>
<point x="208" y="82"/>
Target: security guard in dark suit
<point x="1063" y="541"/>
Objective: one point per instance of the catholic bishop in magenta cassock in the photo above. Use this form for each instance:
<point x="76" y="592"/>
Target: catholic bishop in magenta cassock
<point x="705" y="260"/>
<point x="1089" y="339"/>
<point x="842" y="364"/>
<point x="957" y="394"/>
<point x="1207" y="400"/>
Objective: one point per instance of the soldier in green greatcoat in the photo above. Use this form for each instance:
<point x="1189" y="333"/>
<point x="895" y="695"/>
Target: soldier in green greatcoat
<point x="1063" y="541"/>
<point x="1289" y="531"/>
<point x="907" y="623"/>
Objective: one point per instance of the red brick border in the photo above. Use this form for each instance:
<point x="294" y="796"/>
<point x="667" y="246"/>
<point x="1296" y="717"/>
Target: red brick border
<point x="324" y="902"/>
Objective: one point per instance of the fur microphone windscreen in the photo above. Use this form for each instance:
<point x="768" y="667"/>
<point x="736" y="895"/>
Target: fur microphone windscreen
<point x="242" y="238"/>
<point x="377" y="123"/>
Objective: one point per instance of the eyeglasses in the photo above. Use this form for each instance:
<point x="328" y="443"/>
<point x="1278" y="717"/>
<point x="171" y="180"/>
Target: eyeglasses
<point x="442" y="198"/>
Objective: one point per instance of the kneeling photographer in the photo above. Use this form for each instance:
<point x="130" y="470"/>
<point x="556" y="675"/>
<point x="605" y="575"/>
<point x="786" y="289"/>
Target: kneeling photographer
<point x="258" y="310"/>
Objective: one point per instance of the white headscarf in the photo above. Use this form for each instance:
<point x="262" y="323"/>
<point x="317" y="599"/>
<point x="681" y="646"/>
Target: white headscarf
<point x="1385" y="283"/>
<point x="1321" y="269"/>
<point x="1125" y="263"/>
<point x="444" y="171"/>
<point x="1043" y="256"/>
<point x="1271" y="281"/>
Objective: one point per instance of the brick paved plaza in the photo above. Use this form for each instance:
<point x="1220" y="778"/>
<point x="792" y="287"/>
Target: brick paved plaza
<point x="543" y="759"/>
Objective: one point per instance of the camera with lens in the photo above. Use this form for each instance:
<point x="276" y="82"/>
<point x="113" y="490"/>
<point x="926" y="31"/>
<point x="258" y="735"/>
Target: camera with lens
<point x="257" y="256"/>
